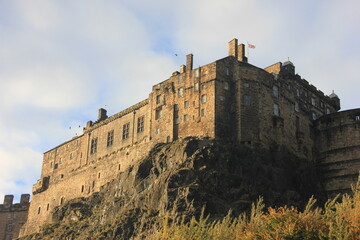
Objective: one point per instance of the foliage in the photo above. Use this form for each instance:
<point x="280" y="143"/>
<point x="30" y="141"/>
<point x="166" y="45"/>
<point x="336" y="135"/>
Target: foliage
<point x="338" y="219"/>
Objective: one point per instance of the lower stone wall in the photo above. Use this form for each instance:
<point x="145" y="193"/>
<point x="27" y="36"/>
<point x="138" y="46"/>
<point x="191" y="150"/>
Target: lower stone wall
<point x="80" y="183"/>
<point x="11" y="220"/>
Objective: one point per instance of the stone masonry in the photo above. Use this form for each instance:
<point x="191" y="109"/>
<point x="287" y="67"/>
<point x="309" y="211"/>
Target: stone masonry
<point x="13" y="216"/>
<point x="227" y="99"/>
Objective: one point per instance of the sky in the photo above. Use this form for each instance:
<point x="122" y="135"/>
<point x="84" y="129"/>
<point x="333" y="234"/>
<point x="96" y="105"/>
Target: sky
<point x="60" y="61"/>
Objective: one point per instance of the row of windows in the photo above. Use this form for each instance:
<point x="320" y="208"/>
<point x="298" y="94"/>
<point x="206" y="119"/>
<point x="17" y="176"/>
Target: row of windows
<point x="125" y="134"/>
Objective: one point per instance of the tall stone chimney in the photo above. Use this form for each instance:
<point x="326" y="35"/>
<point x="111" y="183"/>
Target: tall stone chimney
<point x="8" y="201"/>
<point x="241" y="52"/>
<point x="233" y="48"/>
<point x="189" y="62"/>
<point x="102" y="114"/>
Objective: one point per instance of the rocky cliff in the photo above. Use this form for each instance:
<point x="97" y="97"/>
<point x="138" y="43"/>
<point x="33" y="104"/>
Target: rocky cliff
<point x="181" y="178"/>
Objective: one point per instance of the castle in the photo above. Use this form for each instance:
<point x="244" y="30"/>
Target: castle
<point x="227" y="99"/>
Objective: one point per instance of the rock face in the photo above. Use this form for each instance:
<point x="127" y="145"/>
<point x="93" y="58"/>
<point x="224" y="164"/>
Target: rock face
<point x="182" y="177"/>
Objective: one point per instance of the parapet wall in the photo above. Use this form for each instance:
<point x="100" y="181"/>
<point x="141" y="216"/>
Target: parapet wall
<point x="13" y="216"/>
<point x="338" y="149"/>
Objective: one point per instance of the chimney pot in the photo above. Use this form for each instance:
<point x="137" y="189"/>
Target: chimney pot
<point x="233" y="48"/>
<point x="102" y="114"/>
<point x="189" y="62"/>
<point x="241" y="52"/>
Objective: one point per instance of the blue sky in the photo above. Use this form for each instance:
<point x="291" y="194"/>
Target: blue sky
<point x="62" y="60"/>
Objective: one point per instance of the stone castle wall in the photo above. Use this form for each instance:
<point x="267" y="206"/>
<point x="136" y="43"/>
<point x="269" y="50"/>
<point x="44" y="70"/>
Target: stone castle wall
<point x="227" y="99"/>
<point x="13" y="216"/>
<point x="338" y="146"/>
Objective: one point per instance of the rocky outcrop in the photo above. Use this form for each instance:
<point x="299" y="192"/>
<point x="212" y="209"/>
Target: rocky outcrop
<point x="182" y="177"/>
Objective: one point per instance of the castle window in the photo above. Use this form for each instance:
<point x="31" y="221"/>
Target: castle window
<point x="186" y="104"/>
<point x="276" y="110"/>
<point x="47" y="207"/>
<point x="247" y="100"/>
<point x="158" y="113"/>
<point x="126" y="128"/>
<point x="297" y="123"/>
<point x="177" y="120"/>
<point x="140" y="124"/>
<point x="226" y="85"/>
<point x="39" y="210"/>
<point x="51" y="165"/>
<point x="297" y="92"/>
<point x="246" y="84"/>
<point x="110" y="138"/>
<point x="357" y="118"/>
<point x="9" y="227"/>
<point x="313" y="116"/>
<point x="99" y="175"/>
<point x="203" y="86"/>
<point x="186" y="117"/>
<point x="227" y="71"/>
<point x="275" y="91"/>
<point x="313" y="101"/>
<point x="93" y="147"/>
<point x="297" y="109"/>
<point x="327" y="110"/>
<point x="78" y="141"/>
<point x="71" y="156"/>
<point x="176" y="107"/>
<point x="8" y="237"/>
<point x="157" y="131"/>
<point x="196" y="86"/>
<point x="62" y="176"/>
<point x="180" y="79"/>
<point x="60" y="160"/>
<point x="82" y="188"/>
<point x="180" y="92"/>
<point x="276" y="76"/>
<point x="62" y="200"/>
<point x="203" y="98"/>
<point x="196" y="72"/>
<point x="322" y="104"/>
<point x="158" y="99"/>
<point x="222" y="98"/>
<point x="202" y="112"/>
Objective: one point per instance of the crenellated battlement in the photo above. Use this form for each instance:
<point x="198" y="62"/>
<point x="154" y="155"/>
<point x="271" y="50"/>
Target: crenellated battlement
<point x="8" y="204"/>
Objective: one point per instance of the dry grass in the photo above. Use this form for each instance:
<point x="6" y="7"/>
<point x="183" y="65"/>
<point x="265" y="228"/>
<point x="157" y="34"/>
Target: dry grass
<point x="336" y="220"/>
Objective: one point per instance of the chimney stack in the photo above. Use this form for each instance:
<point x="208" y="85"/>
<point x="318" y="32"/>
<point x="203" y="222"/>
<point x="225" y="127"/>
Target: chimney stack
<point x="182" y="68"/>
<point x="241" y="51"/>
<point x="233" y="48"/>
<point x="8" y="201"/>
<point x="189" y="62"/>
<point x="102" y="114"/>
